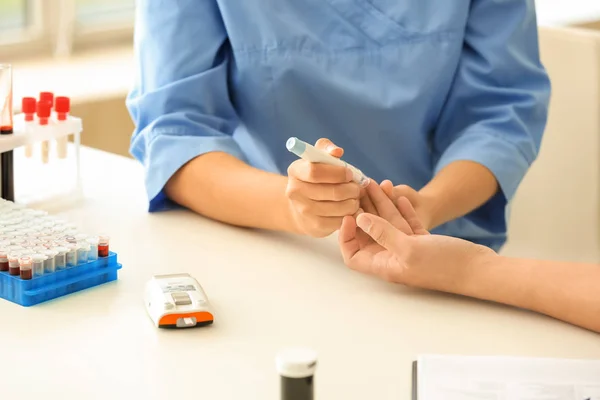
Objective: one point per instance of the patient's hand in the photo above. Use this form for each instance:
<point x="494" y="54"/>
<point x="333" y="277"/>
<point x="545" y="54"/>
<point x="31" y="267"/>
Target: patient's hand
<point x="408" y="255"/>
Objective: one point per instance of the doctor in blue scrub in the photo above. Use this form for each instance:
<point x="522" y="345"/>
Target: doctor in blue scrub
<point x="447" y="100"/>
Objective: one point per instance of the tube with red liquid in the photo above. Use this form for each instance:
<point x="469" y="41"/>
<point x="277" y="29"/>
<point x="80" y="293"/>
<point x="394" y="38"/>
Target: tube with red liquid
<point x="3" y="261"/>
<point x="13" y="264"/>
<point x="103" y="246"/>
<point x="6" y="128"/>
<point x="25" y="265"/>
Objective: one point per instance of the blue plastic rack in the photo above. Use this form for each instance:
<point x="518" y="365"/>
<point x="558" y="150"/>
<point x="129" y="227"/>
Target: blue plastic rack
<point x="60" y="283"/>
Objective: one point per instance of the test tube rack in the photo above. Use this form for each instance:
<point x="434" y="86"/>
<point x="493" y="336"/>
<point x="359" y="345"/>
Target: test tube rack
<point x="19" y="229"/>
<point x="60" y="283"/>
<point x="28" y="133"/>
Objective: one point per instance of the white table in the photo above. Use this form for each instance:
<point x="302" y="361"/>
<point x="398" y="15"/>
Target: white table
<point x="268" y="290"/>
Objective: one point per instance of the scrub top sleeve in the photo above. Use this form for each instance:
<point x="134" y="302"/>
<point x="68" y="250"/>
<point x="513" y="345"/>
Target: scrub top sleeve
<point x="179" y="102"/>
<point x="497" y="109"/>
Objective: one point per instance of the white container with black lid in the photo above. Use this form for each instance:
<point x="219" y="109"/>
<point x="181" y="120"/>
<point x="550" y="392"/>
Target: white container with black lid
<point x="296" y="367"/>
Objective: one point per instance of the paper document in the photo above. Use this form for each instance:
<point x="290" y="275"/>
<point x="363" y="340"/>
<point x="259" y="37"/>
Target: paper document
<point x="506" y="378"/>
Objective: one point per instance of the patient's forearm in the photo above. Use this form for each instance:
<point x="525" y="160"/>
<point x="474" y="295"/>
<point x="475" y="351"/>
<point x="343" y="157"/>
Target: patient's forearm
<point x="566" y="291"/>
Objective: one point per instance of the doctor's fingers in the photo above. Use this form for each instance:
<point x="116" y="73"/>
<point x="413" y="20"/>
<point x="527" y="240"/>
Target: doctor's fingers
<point x="297" y="189"/>
<point x="307" y="207"/>
<point x="318" y="172"/>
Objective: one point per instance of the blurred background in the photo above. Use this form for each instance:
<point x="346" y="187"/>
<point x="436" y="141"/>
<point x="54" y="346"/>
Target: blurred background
<point x="80" y="48"/>
<point x="83" y="49"/>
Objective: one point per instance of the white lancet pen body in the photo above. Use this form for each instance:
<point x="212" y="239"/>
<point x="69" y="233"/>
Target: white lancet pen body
<point x="310" y="153"/>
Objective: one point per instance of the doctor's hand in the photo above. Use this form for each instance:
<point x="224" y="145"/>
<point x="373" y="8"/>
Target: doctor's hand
<point x="372" y="245"/>
<point x="321" y="195"/>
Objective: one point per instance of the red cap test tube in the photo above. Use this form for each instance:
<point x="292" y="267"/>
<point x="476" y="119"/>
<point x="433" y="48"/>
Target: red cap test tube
<point x="28" y="107"/>
<point x="62" y="106"/>
<point x="43" y="112"/>
<point x="47" y="97"/>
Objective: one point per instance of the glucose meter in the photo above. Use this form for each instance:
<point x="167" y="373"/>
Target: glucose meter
<point x="177" y="301"/>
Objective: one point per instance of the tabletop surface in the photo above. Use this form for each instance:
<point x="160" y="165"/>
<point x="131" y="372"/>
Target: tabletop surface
<point x="268" y="291"/>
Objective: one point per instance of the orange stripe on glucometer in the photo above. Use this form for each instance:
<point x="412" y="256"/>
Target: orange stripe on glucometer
<point x="201" y="317"/>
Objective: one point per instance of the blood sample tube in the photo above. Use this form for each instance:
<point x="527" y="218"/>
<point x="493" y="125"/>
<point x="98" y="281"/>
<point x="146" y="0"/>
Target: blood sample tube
<point x="296" y="367"/>
<point x="62" y="106"/>
<point x="71" y="255"/>
<point x="93" y="254"/>
<point x="61" y="257"/>
<point x="103" y="246"/>
<point x="47" y="97"/>
<point x="28" y="107"/>
<point x="38" y="264"/>
<point x="43" y="113"/>
<point x="3" y="261"/>
<point x="13" y="264"/>
<point x="25" y="265"/>
<point x="49" y="265"/>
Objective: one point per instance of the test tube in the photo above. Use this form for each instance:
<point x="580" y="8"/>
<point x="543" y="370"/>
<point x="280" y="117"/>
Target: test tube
<point x="28" y="107"/>
<point x="49" y="265"/>
<point x="296" y="367"/>
<point x="62" y="107"/>
<point x="13" y="264"/>
<point x="25" y="264"/>
<point x="43" y="113"/>
<point x="71" y="255"/>
<point x="103" y="246"/>
<point x="47" y="97"/>
<point x="93" y="254"/>
<point x="71" y="239"/>
<point x="3" y="261"/>
<point x="38" y="264"/>
<point x="6" y="128"/>
<point x="61" y="257"/>
<point x="82" y="252"/>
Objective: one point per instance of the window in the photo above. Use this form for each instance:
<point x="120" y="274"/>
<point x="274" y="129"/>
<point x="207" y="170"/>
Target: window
<point x="104" y="11"/>
<point x="12" y="15"/>
<point x="62" y="26"/>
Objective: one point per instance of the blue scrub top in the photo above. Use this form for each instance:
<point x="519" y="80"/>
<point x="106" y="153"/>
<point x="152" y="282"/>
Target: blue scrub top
<point x="404" y="86"/>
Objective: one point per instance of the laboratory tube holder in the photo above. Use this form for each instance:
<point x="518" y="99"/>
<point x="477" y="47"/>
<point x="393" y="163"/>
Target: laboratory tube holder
<point x="27" y="133"/>
<point x="60" y="283"/>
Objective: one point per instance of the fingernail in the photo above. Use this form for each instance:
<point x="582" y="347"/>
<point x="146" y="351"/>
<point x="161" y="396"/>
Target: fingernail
<point x="364" y="222"/>
<point x="330" y="148"/>
<point x="349" y="174"/>
<point x="365" y="182"/>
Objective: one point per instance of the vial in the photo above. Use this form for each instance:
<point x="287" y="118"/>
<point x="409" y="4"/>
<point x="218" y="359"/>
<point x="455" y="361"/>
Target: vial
<point x="25" y="264"/>
<point x="49" y="264"/>
<point x="38" y="264"/>
<point x="71" y="255"/>
<point x="82" y="253"/>
<point x="93" y="253"/>
<point x="13" y="264"/>
<point x="70" y="239"/>
<point x="3" y="261"/>
<point x="103" y="246"/>
<point x="61" y="257"/>
<point x="296" y="368"/>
